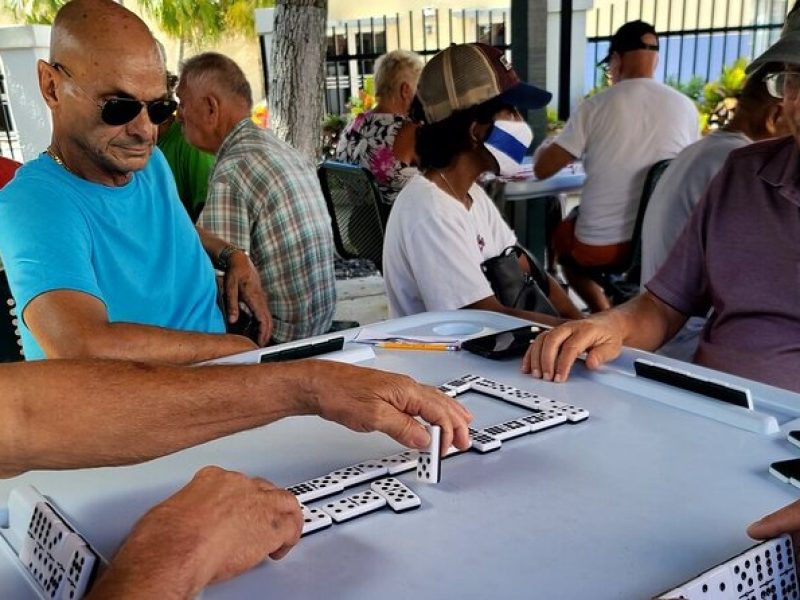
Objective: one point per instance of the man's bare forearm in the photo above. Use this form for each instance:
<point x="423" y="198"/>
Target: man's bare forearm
<point x="130" y="341"/>
<point x="71" y="414"/>
<point x="646" y="322"/>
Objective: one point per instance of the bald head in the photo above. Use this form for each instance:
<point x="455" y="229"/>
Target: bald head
<point x="101" y="51"/>
<point x="89" y="35"/>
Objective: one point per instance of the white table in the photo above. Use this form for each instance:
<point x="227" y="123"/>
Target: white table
<point x="568" y="180"/>
<point x="638" y="498"/>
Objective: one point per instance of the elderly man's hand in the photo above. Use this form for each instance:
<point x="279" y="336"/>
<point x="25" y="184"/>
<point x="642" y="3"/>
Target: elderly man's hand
<point x="218" y="526"/>
<point x="553" y="352"/>
<point x="242" y="283"/>
<point x="370" y="400"/>
<point x="785" y="520"/>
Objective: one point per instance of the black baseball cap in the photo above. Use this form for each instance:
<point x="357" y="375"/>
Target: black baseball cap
<point x="629" y="37"/>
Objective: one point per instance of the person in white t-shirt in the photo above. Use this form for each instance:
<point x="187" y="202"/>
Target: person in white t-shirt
<point x="443" y="225"/>
<point x="619" y="133"/>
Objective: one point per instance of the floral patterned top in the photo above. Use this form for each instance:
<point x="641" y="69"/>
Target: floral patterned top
<point x="368" y="140"/>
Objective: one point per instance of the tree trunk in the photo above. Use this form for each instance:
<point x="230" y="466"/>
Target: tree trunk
<point x="297" y="74"/>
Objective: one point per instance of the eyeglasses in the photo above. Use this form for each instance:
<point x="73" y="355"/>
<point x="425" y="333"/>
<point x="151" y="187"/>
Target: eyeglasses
<point x="782" y="84"/>
<point x="118" y="111"/>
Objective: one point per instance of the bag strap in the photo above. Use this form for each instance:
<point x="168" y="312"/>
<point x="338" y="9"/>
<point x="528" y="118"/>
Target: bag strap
<point x="535" y="269"/>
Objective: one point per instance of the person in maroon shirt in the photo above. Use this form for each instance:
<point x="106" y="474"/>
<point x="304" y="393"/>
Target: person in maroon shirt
<point x="738" y="255"/>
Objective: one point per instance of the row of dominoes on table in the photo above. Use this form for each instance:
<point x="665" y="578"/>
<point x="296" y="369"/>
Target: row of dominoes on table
<point x="546" y="413"/>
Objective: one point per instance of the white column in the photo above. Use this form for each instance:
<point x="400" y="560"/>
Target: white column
<point x="20" y="48"/>
<point x="265" y="25"/>
<point x="578" y="44"/>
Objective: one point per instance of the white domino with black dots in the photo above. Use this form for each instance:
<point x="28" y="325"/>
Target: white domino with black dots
<point x="483" y="442"/>
<point x="314" y="519"/>
<point x="513" y="395"/>
<point x="354" y="506"/>
<point x="429" y="464"/>
<point x="764" y="571"/>
<point x="58" y="559"/>
<point x="399" y="496"/>
<point x="308" y="490"/>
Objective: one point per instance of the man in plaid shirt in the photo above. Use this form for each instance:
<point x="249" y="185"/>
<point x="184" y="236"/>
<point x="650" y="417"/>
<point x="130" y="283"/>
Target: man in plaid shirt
<point x="263" y="197"/>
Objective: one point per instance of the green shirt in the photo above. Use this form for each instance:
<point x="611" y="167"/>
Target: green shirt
<point x="190" y="166"/>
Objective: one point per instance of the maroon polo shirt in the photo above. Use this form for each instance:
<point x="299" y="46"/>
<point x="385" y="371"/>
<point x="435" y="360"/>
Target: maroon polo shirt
<point x="740" y="255"/>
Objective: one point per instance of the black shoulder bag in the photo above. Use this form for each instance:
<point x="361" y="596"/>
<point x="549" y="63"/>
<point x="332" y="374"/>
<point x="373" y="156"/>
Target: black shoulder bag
<point x="514" y="287"/>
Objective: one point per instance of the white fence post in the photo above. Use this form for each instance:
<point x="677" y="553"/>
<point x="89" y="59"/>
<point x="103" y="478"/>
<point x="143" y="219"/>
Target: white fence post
<point x="578" y="46"/>
<point x="20" y="47"/>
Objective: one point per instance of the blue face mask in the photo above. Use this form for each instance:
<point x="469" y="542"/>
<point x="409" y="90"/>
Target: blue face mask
<point x="507" y="142"/>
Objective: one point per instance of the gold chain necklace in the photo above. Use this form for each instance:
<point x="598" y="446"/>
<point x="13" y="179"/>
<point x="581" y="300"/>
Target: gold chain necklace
<point x="58" y="160"/>
<point x="450" y="187"/>
<point x="467" y="202"/>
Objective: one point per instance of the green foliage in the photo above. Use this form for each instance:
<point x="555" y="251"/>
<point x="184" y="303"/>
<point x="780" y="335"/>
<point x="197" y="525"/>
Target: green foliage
<point x="199" y="21"/>
<point x="554" y="124"/>
<point x="692" y="88"/>
<point x="332" y="126"/>
<point x="194" y="21"/>
<point x="715" y="100"/>
<point x="34" y="12"/>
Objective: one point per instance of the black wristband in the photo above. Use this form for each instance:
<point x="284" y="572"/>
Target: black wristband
<point x="224" y="257"/>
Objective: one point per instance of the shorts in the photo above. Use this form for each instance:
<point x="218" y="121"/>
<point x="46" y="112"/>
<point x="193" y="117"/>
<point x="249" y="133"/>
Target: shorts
<point x="566" y="244"/>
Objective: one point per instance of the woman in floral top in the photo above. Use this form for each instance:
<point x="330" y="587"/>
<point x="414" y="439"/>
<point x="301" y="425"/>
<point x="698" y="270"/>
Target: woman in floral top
<point x="382" y="140"/>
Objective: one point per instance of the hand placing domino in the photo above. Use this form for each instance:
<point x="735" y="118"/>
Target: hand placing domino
<point x="430" y="460"/>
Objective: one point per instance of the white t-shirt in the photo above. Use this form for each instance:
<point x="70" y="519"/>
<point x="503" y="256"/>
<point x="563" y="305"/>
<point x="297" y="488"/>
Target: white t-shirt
<point x="434" y="247"/>
<point x="620" y="133"/>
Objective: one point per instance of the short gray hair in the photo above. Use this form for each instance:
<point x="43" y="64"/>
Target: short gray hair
<point x="391" y="67"/>
<point x="212" y="68"/>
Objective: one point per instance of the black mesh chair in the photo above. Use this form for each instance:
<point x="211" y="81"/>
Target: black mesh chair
<point x="355" y="206"/>
<point x="10" y="342"/>
<point x="623" y="281"/>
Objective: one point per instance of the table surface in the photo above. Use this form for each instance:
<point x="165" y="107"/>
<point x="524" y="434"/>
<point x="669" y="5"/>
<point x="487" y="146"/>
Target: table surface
<point x="633" y="501"/>
<point x="568" y="179"/>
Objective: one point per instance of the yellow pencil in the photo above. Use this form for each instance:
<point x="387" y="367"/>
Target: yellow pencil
<point x="434" y="347"/>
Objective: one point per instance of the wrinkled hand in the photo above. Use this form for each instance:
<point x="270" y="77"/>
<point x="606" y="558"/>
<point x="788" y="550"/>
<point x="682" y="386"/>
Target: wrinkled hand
<point x="219" y="525"/>
<point x="242" y="283"/>
<point x="553" y="352"/>
<point x="785" y="520"/>
<point x="365" y="400"/>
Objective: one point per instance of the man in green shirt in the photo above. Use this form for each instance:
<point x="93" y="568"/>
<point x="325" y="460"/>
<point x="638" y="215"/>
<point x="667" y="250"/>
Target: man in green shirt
<point x="190" y="166"/>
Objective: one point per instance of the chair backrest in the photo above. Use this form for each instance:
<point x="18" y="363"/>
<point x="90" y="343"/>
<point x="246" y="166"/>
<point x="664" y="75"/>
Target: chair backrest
<point x="10" y="341"/>
<point x="653" y="175"/>
<point x="353" y="201"/>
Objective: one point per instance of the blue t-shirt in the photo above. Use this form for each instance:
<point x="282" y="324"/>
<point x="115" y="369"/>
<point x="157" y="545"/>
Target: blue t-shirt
<point x="133" y="247"/>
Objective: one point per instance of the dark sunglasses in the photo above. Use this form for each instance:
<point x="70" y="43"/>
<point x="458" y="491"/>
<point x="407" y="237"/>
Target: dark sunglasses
<point x="118" y="111"/>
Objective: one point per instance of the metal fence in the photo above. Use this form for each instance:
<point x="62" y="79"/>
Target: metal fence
<point x="697" y="37"/>
<point x="353" y="46"/>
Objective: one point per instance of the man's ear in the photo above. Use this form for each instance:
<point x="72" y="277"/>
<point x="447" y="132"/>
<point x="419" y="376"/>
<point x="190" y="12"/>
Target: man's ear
<point x="475" y="134"/>
<point x="211" y="106"/>
<point x="775" y="122"/>
<point x="47" y="83"/>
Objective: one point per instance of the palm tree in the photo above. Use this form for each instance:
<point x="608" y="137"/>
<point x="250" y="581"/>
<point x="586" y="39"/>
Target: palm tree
<point x="34" y="12"/>
<point x="192" y="21"/>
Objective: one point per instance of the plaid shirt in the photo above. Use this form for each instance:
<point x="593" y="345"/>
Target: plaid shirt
<point x="264" y="197"/>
